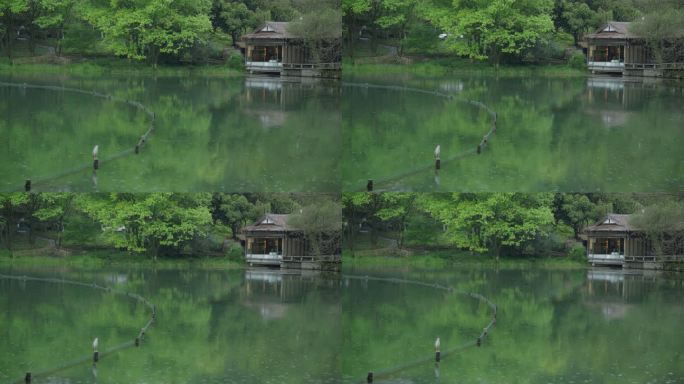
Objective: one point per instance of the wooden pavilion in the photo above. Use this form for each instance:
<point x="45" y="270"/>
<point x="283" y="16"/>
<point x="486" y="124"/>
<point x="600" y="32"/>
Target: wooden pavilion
<point x="272" y="48"/>
<point x="613" y="238"/>
<point x="614" y="48"/>
<point x="271" y="241"/>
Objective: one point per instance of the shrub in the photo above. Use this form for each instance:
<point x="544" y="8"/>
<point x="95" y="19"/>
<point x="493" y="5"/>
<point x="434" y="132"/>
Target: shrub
<point x="577" y="252"/>
<point x="235" y="252"/>
<point x="235" y="61"/>
<point x="577" y="61"/>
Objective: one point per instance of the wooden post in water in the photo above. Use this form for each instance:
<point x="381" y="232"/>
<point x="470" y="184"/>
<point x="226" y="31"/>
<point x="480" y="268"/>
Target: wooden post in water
<point x="479" y="149"/>
<point x="96" y="354"/>
<point x="438" y="354"/>
<point x="27" y="378"/>
<point x="27" y="185"/>
<point x="479" y="341"/>
<point x="137" y="341"/>
<point x="438" y="157"/>
<point x="96" y="161"/>
<point x="369" y="186"/>
<point x="369" y="378"/>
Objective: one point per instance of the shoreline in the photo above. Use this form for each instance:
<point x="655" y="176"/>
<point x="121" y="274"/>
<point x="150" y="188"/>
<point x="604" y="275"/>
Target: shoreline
<point x="117" y="67"/>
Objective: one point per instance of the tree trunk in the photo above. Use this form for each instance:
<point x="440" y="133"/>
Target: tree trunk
<point x="10" y="38"/>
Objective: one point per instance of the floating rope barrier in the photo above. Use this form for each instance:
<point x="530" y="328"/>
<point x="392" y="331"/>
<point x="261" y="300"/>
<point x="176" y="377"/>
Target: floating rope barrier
<point x="136" y="342"/>
<point x="135" y="104"/>
<point x="372" y="375"/>
<point x="389" y="183"/>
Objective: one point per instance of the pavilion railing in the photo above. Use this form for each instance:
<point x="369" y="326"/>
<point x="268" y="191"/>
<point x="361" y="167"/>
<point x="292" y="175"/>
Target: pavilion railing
<point x="333" y="66"/>
<point x="321" y="258"/>
<point x="666" y="259"/>
<point x="654" y="66"/>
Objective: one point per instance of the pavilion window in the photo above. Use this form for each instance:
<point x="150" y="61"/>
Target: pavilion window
<point x="265" y="246"/>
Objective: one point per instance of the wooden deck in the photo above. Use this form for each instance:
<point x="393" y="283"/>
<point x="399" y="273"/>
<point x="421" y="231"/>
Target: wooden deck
<point x="606" y="260"/>
<point x="294" y="262"/>
<point x="637" y="262"/>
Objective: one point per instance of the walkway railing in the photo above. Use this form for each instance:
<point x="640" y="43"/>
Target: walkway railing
<point x="654" y="66"/>
<point x="665" y="259"/>
<point x="140" y="336"/>
<point x="333" y="66"/>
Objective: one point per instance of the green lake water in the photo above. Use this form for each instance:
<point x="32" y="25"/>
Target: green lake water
<point x="553" y="326"/>
<point x="571" y="134"/>
<point x="211" y="134"/>
<point x="214" y="326"/>
<point x="266" y="326"/>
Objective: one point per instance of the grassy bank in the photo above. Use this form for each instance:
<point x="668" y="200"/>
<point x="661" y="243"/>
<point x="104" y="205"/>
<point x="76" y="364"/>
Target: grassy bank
<point x="445" y="259"/>
<point x="114" y="66"/>
<point x="444" y="67"/>
<point x="109" y="258"/>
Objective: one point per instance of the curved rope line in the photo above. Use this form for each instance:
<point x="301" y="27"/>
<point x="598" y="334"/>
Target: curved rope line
<point x="139" y="145"/>
<point x="474" y="342"/>
<point x="388" y="182"/>
<point x="138" y="339"/>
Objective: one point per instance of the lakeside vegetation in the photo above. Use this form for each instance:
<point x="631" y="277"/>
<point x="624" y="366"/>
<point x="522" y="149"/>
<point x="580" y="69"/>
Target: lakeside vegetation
<point x="156" y="32"/>
<point x="499" y="32"/>
<point x="446" y="228"/>
<point x="95" y="229"/>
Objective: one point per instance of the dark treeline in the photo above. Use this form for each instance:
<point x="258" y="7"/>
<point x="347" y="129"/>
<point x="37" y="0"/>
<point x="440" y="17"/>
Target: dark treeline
<point x="150" y="30"/>
<point x="155" y="224"/>
<point x="503" y="224"/>
<point x="502" y="30"/>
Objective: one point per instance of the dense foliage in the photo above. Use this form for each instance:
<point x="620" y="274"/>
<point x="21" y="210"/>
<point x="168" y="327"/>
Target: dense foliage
<point x="503" y="224"/>
<point x="158" y="224"/>
<point x="151" y="30"/>
<point x="496" y="30"/>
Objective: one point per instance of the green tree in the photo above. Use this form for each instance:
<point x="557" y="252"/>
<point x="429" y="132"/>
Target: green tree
<point x="321" y="222"/>
<point x="11" y="205"/>
<point x="397" y="14"/>
<point x="663" y="223"/>
<point x="353" y="205"/>
<point x="395" y="210"/>
<point x="235" y="211"/>
<point x="55" y="208"/>
<point x="10" y="12"/>
<point x="55" y="15"/>
<point x="147" y="222"/>
<point x="320" y="25"/>
<point x="353" y="12"/>
<point x="579" y="18"/>
<point x="235" y="18"/>
<point x="145" y="29"/>
<point x="663" y="29"/>
<point x="488" y="29"/>
<point x="489" y="221"/>
<point x="578" y="211"/>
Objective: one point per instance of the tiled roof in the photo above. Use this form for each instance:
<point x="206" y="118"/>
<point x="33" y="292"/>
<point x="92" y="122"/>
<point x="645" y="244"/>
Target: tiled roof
<point x="270" y="30"/>
<point x="612" y="223"/>
<point x="621" y="30"/>
<point x="270" y="222"/>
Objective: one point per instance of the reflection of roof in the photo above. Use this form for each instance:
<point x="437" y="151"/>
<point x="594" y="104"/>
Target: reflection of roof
<point x="270" y="222"/>
<point x="270" y="30"/>
<point x="613" y="30"/>
<point x="613" y="222"/>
